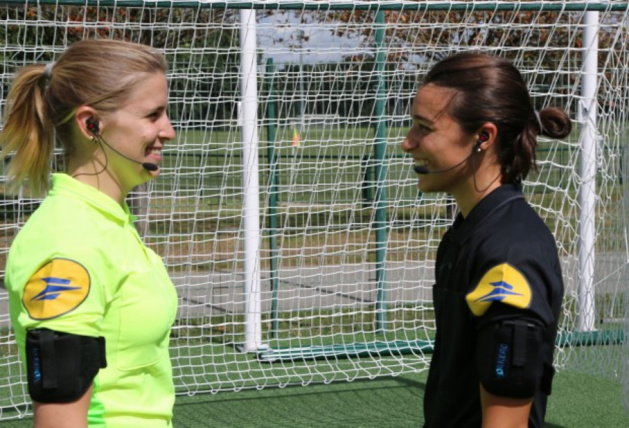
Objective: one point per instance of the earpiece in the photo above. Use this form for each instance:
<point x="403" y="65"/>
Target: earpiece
<point x="92" y="125"/>
<point x="482" y="137"/>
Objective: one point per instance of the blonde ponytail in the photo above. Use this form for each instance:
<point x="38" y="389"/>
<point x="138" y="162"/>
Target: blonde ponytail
<point x="27" y="138"/>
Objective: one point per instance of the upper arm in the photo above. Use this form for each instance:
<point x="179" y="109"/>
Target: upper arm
<point x="60" y="415"/>
<point x="503" y="412"/>
<point x="510" y="346"/>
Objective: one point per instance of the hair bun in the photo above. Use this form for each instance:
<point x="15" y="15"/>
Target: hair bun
<point x="555" y="123"/>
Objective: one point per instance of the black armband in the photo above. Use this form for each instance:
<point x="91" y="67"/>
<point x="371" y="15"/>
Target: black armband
<point x="60" y="366"/>
<point x="509" y="361"/>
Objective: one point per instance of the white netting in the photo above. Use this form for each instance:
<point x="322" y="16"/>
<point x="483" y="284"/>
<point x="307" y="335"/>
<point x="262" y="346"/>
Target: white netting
<point x="347" y="243"/>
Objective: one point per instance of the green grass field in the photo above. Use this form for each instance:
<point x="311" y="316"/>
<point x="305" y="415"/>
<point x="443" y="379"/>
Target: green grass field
<point x="578" y="401"/>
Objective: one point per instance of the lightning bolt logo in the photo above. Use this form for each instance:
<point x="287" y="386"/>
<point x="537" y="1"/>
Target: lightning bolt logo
<point x="52" y="291"/>
<point x="499" y="293"/>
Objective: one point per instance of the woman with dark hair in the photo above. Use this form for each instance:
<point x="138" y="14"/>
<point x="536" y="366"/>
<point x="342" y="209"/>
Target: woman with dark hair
<point x="499" y="287"/>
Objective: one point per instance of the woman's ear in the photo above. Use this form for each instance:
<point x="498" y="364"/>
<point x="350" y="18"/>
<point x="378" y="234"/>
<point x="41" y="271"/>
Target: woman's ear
<point x="87" y="121"/>
<point x="486" y="137"/>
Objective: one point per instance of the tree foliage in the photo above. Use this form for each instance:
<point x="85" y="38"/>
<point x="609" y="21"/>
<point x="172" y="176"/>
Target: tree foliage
<point x="201" y="45"/>
<point x="191" y="39"/>
<point x="553" y="40"/>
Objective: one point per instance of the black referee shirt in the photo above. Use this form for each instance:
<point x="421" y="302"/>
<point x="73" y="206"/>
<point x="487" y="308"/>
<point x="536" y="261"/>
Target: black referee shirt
<point x="502" y="230"/>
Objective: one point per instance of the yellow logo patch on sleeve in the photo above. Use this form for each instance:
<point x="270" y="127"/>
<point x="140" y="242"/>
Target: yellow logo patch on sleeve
<point x="57" y="288"/>
<point x="502" y="283"/>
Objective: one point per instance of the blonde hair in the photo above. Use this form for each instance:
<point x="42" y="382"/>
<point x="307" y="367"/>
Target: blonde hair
<point x="42" y="101"/>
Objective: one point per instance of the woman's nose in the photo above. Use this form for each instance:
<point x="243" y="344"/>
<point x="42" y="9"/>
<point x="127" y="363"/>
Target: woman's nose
<point x="410" y="142"/>
<point x="167" y="132"/>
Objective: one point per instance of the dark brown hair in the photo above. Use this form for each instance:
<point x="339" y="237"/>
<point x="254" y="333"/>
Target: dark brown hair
<point x="491" y="89"/>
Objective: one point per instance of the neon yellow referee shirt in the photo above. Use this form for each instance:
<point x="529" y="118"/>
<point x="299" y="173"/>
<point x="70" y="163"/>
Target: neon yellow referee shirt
<point x="79" y="266"/>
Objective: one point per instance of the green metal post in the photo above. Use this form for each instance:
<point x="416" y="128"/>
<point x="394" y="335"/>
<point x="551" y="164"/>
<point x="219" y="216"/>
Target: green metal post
<point x="380" y="202"/>
<point x="367" y="181"/>
<point x="273" y="198"/>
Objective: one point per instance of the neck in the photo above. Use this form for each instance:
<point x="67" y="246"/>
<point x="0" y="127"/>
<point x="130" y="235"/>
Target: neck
<point x="476" y="188"/>
<point x="97" y="175"/>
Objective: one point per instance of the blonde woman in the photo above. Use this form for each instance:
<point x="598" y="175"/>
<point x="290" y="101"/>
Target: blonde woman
<point x="90" y="304"/>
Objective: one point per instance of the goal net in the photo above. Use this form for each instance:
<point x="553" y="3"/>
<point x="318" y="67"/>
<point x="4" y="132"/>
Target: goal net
<point x="286" y="213"/>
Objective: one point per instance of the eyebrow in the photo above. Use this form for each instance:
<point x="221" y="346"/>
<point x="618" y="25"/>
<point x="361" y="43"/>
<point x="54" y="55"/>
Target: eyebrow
<point x="423" y="119"/>
<point x="154" y="110"/>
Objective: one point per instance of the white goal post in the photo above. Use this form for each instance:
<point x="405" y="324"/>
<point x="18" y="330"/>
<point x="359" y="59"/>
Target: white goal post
<point x="286" y="213"/>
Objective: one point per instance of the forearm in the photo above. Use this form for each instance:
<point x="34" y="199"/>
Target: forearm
<point x="502" y="412"/>
<point x="62" y="415"/>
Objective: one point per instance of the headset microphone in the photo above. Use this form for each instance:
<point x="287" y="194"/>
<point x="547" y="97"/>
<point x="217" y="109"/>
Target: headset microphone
<point x="423" y="170"/>
<point x="93" y="127"/>
<point x="477" y="149"/>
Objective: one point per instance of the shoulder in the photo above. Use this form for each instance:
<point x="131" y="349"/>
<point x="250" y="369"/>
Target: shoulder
<point x="517" y="237"/>
<point x="63" y="238"/>
<point x="63" y="221"/>
<point x="516" y="263"/>
<point x="516" y="226"/>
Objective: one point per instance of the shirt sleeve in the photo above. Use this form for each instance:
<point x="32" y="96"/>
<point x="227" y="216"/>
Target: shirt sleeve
<point x="521" y="278"/>
<point x="62" y="295"/>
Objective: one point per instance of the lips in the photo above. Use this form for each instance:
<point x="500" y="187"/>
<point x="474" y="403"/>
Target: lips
<point x="421" y="162"/>
<point x="154" y="152"/>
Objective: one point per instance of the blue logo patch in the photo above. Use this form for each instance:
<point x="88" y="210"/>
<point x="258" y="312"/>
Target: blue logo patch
<point x="51" y="292"/>
<point x="501" y="291"/>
